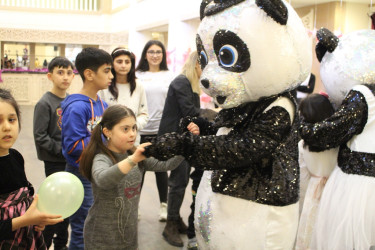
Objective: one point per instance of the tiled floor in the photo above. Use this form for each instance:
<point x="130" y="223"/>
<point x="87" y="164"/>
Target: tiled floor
<point x="150" y="229"/>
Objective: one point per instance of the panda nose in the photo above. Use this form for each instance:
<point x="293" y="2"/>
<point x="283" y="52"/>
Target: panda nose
<point x="205" y="83"/>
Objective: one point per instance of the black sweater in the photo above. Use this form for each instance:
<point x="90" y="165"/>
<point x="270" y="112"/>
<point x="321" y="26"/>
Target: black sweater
<point x="181" y="102"/>
<point x="12" y="177"/>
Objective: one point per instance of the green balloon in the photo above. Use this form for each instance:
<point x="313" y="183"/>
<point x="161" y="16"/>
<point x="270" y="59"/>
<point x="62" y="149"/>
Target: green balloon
<point x="60" y="193"/>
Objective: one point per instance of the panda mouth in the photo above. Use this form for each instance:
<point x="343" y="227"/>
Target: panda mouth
<point x="221" y="99"/>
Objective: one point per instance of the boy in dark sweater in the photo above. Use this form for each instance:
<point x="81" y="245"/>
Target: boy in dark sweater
<point x="47" y="136"/>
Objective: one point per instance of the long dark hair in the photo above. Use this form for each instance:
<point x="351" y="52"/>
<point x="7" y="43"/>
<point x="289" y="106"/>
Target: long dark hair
<point x="131" y="75"/>
<point x="6" y="96"/>
<point x="143" y="63"/>
<point x="111" y="116"/>
<point x="315" y="108"/>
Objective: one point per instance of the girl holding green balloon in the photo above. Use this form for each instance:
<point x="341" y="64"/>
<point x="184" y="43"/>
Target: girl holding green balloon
<point x="115" y="168"/>
<point x="21" y="222"/>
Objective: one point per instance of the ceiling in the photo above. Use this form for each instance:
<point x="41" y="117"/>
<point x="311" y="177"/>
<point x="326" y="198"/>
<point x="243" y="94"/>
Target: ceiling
<point x="303" y="3"/>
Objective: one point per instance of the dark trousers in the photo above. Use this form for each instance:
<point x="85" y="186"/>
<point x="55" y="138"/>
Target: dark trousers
<point x="161" y="177"/>
<point x="196" y="177"/>
<point x="58" y="233"/>
<point x="77" y="220"/>
<point x="177" y="182"/>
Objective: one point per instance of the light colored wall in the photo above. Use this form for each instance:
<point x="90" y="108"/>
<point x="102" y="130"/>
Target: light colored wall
<point x="339" y="18"/>
<point x="27" y="89"/>
<point x="133" y="26"/>
<point x="356" y="17"/>
<point x="178" y="26"/>
<point x="54" y="21"/>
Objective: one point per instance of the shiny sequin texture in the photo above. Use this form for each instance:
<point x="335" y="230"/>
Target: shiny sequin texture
<point x="349" y="64"/>
<point x="228" y="90"/>
<point x="256" y="161"/>
<point x="336" y="131"/>
<point x="275" y="9"/>
<point x="220" y="5"/>
<point x="204" y="219"/>
<point x="327" y="42"/>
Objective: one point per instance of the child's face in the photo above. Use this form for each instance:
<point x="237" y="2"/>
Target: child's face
<point x="103" y="76"/>
<point x="123" y="135"/>
<point x="9" y="127"/>
<point x="154" y="55"/>
<point x="61" y="77"/>
<point x="122" y="65"/>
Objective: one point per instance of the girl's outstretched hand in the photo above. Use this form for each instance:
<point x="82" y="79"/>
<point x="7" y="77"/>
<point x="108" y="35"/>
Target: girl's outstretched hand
<point x="138" y="155"/>
<point x="33" y="216"/>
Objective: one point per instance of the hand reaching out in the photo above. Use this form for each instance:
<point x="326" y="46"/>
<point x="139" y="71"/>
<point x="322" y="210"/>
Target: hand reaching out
<point x="138" y="156"/>
<point x="33" y="216"/>
<point x="127" y="164"/>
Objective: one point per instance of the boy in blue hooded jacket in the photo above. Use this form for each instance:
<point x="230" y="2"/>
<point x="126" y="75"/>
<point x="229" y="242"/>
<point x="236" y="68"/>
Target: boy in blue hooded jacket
<point x="81" y="113"/>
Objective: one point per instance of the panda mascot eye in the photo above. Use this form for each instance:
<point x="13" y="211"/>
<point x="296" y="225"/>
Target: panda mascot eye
<point x="228" y="55"/>
<point x="203" y="59"/>
<point x="231" y="52"/>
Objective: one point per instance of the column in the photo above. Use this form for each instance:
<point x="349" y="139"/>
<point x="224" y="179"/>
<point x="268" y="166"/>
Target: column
<point x="62" y="49"/>
<point x="32" y="56"/>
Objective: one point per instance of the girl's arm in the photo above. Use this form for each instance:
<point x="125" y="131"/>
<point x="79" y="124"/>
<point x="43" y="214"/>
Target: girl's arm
<point x="32" y="216"/>
<point x="246" y="147"/>
<point x="106" y="176"/>
<point x="152" y="164"/>
<point x="142" y="117"/>
<point x="127" y="164"/>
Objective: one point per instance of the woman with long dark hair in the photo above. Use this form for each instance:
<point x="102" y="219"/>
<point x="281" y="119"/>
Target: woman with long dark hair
<point x="153" y="73"/>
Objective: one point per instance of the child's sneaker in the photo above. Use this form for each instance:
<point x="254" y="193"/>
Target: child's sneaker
<point x="163" y="213"/>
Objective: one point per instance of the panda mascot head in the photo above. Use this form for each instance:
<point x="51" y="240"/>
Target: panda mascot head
<point x="345" y="62"/>
<point x="251" y="49"/>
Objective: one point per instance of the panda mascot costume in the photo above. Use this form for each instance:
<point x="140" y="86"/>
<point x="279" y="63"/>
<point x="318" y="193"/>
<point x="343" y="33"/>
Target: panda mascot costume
<point x="346" y="216"/>
<point x="253" y="54"/>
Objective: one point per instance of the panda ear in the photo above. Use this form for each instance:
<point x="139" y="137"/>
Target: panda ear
<point x="204" y="3"/>
<point x="217" y="6"/>
<point x="276" y="9"/>
<point x="326" y="41"/>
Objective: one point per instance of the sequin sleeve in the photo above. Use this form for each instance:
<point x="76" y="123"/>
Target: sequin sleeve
<point x="347" y="121"/>
<point x="249" y="143"/>
<point x="205" y="127"/>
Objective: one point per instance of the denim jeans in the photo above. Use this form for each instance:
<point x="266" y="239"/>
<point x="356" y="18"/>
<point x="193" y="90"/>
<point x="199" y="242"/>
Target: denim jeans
<point x="77" y="220"/>
<point x="177" y="182"/>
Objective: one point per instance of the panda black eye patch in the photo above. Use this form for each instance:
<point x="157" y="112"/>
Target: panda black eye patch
<point x="231" y="52"/>
<point x="202" y="55"/>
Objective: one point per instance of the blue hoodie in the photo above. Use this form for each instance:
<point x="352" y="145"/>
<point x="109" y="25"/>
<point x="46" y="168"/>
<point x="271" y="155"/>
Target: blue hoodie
<point x="80" y="115"/>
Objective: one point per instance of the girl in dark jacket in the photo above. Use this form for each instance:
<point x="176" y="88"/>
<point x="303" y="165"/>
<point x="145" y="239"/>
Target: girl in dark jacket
<point x="182" y="100"/>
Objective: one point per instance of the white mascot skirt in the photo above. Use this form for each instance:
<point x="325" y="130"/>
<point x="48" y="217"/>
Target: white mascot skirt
<point x="346" y="216"/>
<point x="225" y="222"/>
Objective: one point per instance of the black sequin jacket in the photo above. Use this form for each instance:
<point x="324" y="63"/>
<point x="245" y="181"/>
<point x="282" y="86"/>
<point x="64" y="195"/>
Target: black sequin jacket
<point x="257" y="160"/>
<point x="348" y="121"/>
